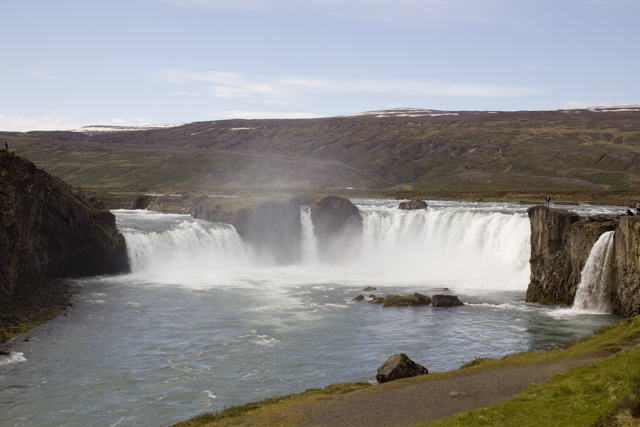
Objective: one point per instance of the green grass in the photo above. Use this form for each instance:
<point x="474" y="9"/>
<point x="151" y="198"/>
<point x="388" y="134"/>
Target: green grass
<point x="584" y="396"/>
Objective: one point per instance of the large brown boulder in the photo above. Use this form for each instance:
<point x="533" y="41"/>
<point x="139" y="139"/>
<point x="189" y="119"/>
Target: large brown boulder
<point x="337" y="225"/>
<point x="445" y="301"/>
<point x="401" y="301"/>
<point x="399" y="366"/>
<point x="413" y="204"/>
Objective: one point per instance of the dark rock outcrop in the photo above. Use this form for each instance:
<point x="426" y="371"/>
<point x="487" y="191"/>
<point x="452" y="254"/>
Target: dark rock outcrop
<point x="413" y="204"/>
<point x="626" y="268"/>
<point x="337" y="225"/>
<point x="49" y="229"/>
<point x="445" y="301"/>
<point x="106" y="199"/>
<point x="560" y="245"/>
<point x="399" y="366"/>
<point x="401" y="301"/>
<point x="271" y="225"/>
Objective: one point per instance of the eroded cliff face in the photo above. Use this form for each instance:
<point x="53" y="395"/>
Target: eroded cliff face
<point x="271" y="225"/>
<point x="560" y="245"/>
<point x="626" y="268"/>
<point x="49" y="229"/>
<point x="337" y="225"/>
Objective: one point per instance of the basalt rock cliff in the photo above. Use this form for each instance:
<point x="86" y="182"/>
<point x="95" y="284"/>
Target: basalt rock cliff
<point x="560" y="245"/>
<point x="626" y="269"/>
<point x="48" y="229"/>
<point x="337" y="225"/>
<point x="271" y="224"/>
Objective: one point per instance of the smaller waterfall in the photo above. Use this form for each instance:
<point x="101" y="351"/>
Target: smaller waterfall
<point x="592" y="294"/>
<point x="309" y="240"/>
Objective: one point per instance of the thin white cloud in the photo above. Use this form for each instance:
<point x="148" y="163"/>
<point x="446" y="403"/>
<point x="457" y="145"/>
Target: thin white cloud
<point x="585" y="104"/>
<point x="262" y="115"/>
<point x="15" y="123"/>
<point x="42" y="75"/>
<point x="382" y="10"/>
<point x="279" y="88"/>
<point x="187" y="93"/>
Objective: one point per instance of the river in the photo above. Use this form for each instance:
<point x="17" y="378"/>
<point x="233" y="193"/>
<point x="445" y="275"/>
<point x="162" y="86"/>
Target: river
<point x="201" y="324"/>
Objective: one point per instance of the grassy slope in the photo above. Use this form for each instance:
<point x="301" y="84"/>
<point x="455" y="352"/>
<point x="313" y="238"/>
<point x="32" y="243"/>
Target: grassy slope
<point x="602" y="393"/>
<point x="471" y="151"/>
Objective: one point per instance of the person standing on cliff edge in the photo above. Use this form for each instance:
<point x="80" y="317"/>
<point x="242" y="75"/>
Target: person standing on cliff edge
<point x="547" y="201"/>
<point x="6" y="147"/>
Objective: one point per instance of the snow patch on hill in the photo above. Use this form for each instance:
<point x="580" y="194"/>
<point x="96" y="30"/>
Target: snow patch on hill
<point x="106" y="128"/>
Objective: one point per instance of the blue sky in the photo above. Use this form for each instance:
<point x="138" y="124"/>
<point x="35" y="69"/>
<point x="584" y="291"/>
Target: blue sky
<point x="65" y="64"/>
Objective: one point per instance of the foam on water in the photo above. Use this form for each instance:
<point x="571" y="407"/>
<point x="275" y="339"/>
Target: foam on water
<point x="12" y="357"/>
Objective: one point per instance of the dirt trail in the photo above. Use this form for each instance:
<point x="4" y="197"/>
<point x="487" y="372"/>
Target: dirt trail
<point x="418" y="402"/>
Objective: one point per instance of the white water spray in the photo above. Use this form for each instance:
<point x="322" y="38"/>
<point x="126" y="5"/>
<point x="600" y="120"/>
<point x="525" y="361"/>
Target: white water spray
<point x="592" y="294"/>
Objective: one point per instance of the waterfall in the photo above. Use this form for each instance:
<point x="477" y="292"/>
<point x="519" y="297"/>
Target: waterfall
<point x="454" y="246"/>
<point x="592" y="294"/>
<point x="172" y="248"/>
<point x="309" y="240"/>
<point x="489" y="249"/>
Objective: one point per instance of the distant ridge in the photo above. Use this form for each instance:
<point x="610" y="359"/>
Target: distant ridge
<point x="409" y="148"/>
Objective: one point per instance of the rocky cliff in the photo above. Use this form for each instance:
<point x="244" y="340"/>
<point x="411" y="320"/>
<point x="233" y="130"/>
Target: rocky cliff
<point x="560" y="245"/>
<point x="337" y="225"/>
<point x="270" y="224"/>
<point x="48" y="229"/>
<point x="626" y="268"/>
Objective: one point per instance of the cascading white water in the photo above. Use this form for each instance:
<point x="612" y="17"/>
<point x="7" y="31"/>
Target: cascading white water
<point x="468" y="249"/>
<point x="309" y="240"/>
<point x="592" y="294"/>
<point x="177" y="248"/>
<point x="474" y="249"/>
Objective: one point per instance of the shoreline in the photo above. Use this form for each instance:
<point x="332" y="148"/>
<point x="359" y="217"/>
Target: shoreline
<point x="33" y="307"/>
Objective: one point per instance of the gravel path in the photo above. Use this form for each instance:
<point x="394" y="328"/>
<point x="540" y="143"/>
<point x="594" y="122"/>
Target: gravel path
<point x="417" y="402"/>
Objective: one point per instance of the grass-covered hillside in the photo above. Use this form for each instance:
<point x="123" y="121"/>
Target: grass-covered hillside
<point x="597" y="149"/>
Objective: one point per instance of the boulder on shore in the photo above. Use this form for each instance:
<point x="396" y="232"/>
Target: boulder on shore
<point x="413" y="204"/>
<point x="445" y="301"/>
<point x="399" y="366"/>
